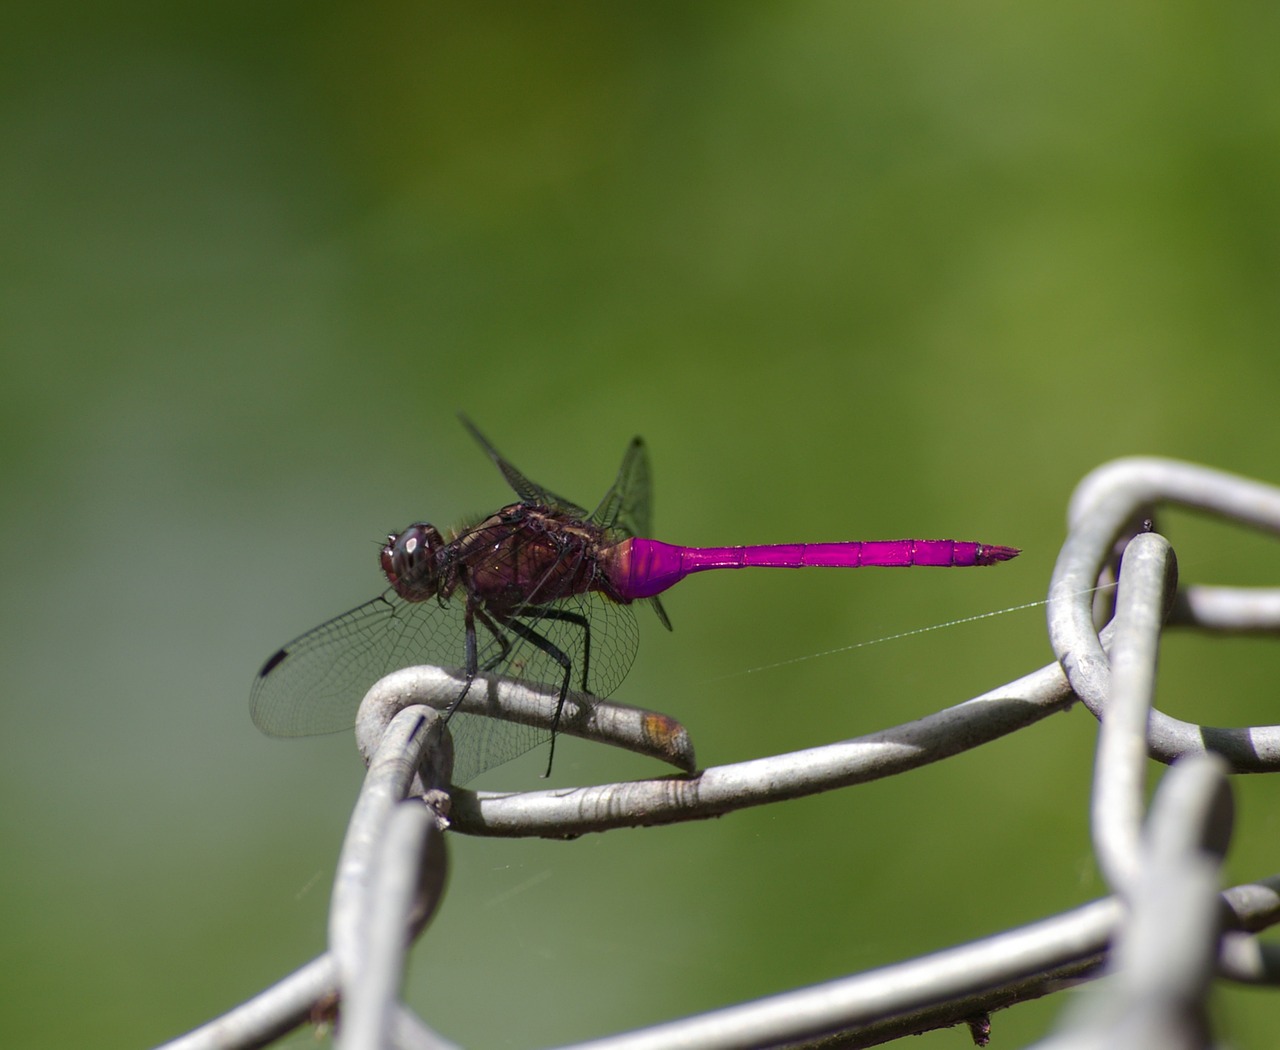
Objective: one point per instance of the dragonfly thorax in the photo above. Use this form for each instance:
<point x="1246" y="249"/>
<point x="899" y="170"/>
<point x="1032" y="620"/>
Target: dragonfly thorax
<point x="411" y="561"/>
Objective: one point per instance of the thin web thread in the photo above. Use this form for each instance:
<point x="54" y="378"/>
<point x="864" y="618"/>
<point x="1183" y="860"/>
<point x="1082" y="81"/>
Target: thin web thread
<point x="901" y="634"/>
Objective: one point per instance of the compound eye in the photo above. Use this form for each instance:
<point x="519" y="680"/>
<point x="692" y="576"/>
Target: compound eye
<point x="408" y="548"/>
<point x="408" y="561"/>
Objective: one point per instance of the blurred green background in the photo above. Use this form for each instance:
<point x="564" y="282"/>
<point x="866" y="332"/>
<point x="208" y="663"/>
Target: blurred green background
<point x="855" y="272"/>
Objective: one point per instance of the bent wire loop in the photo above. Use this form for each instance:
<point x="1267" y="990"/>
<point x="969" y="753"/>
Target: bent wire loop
<point x="1158" y="863"/>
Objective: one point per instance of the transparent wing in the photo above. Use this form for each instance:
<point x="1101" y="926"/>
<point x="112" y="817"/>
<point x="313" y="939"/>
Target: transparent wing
<point x="315" y="683"/>
<point x="524" y="488"/>
<point x="627" y="506"/>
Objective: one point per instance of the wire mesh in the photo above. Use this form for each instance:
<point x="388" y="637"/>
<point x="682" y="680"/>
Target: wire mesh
<point x="1160" y="862"/>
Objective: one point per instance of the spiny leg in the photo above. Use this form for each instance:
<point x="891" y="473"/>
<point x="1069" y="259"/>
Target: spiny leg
<point x="559" y="656"/>
<point x="472" y="666"/>
<point x="581" y="621"/>
<point x="498" y="635"/>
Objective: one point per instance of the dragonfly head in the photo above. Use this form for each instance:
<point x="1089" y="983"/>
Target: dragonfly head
<point x="410" y="561"/>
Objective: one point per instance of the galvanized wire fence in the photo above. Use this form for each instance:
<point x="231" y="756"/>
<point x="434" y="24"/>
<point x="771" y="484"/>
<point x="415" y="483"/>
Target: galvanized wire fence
<point x="1167" y="932"/>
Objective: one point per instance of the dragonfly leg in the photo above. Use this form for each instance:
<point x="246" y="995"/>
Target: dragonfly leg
<point x="472" y="651"/>
<point x="498" y="635"/>
<point x="581" y="621"/>
<point x="471" y="667"/>
<point x="559" y="656"/>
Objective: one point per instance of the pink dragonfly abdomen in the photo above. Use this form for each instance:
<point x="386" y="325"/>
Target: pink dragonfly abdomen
<point x="640" y="568"/>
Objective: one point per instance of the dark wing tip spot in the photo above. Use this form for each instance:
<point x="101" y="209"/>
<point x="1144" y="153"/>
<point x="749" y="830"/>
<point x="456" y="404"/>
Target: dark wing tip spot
<point x="275" y="660"/>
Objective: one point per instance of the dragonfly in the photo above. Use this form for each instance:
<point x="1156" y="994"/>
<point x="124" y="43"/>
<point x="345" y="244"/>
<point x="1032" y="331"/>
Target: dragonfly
<point x="541" y="591"/>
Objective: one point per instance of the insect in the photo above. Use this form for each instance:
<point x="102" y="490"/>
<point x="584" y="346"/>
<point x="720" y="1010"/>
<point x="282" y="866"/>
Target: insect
<point x="541" y="590"/>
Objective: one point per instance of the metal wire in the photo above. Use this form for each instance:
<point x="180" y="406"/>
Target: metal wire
<point x="1161" y="863"/>
<point x="1104" y="505"/>
<point x="1146" y="578"/>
